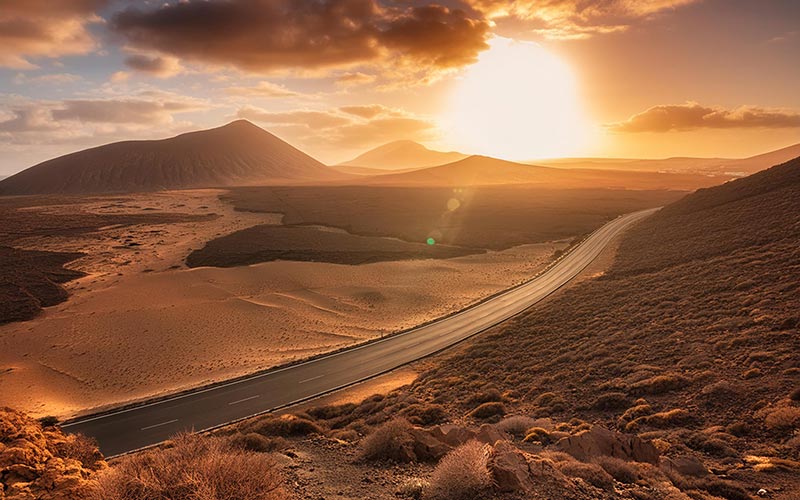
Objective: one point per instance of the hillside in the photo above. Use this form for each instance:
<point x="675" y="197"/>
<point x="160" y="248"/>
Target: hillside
<point x="687" y="346"/>
<point x="486" y="171"/>
<point x="399" y="155"/>
<point x="737" y="166"/>
<point x="236" y="154"/>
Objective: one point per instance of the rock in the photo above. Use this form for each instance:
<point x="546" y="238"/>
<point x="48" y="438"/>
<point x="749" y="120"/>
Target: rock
<point x="599" y="441"/>
<point x="452" y="435"/>
<point x="489" y="434"/>
<point x="686" y="465"/>
<point x="509" y="468"/>
<point x="427" y="447"/>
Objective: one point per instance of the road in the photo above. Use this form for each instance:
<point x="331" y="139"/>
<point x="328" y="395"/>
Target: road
<point x="141" y="426"/>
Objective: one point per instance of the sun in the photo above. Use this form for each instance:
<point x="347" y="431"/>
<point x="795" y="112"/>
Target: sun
<point x="517" y="102"/>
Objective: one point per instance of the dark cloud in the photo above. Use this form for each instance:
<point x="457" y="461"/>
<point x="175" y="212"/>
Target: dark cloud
<point x="693" y="116"/>
<point x="45" y="28"/>
<point x="155" y="65"/>
<point x="265" y="35"/>
<point x="139" y="111"/>
<point x="310" y="119"/>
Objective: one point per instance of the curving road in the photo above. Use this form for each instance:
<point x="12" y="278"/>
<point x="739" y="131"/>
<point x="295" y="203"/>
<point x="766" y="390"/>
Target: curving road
<point x="141" y="426"/>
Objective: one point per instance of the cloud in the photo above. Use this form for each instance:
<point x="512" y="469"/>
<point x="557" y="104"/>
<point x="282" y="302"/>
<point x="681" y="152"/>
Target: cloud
<point x="367" y="111"/>
<point x="82" y="121"/>
<point x="344" y="127"/>
<point x="50" y="78"/>
<point x="44" y="28"/>
<point x="162" y="67"/>
<point x="351" y="79"/>
<point x="693" y="116"/>
<point x="262" y="89"/>
<point x="574" y="19"/>
<point x="272" y="35"/>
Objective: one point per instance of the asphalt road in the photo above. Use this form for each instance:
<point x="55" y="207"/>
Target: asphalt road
<point x="140" y="426"/>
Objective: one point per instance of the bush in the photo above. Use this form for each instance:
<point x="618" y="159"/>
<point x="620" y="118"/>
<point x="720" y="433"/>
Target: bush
<point x="659" y="384"/>
<point x="463" y="474"/>
<point x="611" y="401"/>
<point x="516" y="425"/>
<point x="195" y="467"/>
<point x="256" y="442"/>
<point x="488" y="410"/>
<point x="591" y="473"/>
<point x="620" y="470"/>
<point x="81" y="448"/>
<point x="537" y="435"/>
<point x="783" y="419"/>
<point x="285" y="426"/>
<point x="391" y="441"/>
<point x="425" y="414"/>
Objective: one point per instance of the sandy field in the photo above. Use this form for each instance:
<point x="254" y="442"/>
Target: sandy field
<point x="141" y="324"/>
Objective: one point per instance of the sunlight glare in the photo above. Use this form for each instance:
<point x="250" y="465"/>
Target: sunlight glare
<point x="517" y="102"/>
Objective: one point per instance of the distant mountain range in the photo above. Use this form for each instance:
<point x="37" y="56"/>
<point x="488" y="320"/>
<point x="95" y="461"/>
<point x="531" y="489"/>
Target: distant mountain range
<point x="733" y="166"/>
<point x="236" y="154"/>
<point x="242" y="154"/>
<point x="400" y="155"/>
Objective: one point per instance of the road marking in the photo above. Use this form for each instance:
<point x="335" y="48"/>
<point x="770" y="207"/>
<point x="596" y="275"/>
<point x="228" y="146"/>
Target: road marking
<point x="158" y="425"/>
<point x="245" y="399"/>
<point x="310" y="379"/>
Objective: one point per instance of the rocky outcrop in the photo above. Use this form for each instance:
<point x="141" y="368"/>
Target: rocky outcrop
<point x="599" y="441"/>
<point x="44" y="463"/>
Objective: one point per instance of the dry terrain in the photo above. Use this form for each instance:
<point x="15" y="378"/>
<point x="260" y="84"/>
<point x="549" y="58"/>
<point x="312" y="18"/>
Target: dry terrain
<point x="140" y="323"/>
<point x="485" y="217"/>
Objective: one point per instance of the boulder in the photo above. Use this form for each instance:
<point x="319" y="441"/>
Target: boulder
<point x="490" y="435"/>
<point x="686" y="465"/>
<point x="452" y="435"/>
<point x="509" y="468"/>
<point x="427" y="447"/>
<point x="599" y="441"/>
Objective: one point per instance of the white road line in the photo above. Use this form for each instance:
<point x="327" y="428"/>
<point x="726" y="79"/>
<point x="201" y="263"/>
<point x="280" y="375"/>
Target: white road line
<point x="158" y="425"/>
<point x="310" y="379"/>
<point x="245" y="399"/>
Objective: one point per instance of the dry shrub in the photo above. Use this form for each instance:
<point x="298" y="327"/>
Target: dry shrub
<point x="488" y="410"/>
<point x="720" y="488"/>
<point x="537" y="435"/>
<point x="285" y="426"/>
<point x="795" y="394"/>
<point x="659" y="384"/>
<point x="591" y="473"/>
<point x="622" y="471"/>
<point x="81" y="448"/>
<point x="611" y="401"/>
<point x="425" y="414"/>
<point x="253" y="441"/>
<point x="636" y="412"/>
<point x="671" y="418"/>
<point x="463" y="474"/>
<point x="390" y="441"/>
<point x="784" y="419"/>
<point x="194" y="468"/>
<point x="516" y="425"/>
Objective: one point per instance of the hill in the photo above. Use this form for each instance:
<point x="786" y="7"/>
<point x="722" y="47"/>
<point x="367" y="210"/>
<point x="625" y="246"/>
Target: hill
<point x="239" y="153"/>
<point x="686" y="345"/>
<point x="738" y="167"/>
<point x="486" y="171"/>
<point x="400" y="155"/>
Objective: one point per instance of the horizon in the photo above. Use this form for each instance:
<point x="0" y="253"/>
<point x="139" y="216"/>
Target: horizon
<point x="618" y="80"/>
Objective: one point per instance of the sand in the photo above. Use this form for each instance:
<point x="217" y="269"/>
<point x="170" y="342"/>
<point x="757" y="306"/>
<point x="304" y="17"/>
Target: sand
<point x="141" y="324"/>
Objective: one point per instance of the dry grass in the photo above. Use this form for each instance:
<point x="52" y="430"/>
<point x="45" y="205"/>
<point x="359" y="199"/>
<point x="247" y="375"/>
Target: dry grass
<point x="390" y="441"/>
<point x="463" y="474"/>
<point x="193" y="468"/>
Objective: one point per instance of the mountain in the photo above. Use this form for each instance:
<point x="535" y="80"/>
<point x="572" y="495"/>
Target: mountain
<point x="402" y="155"/>
<point x="486" y="171"/>
<point x="735" y="166"/>
<point x="239" y="153"/>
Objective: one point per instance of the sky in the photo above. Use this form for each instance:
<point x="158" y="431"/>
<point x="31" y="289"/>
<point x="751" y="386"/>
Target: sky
<point x="518" y="80"/>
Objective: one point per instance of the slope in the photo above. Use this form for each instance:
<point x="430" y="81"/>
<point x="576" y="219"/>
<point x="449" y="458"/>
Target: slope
<point x="400" y="155"/>
<point x="239" y="153"/>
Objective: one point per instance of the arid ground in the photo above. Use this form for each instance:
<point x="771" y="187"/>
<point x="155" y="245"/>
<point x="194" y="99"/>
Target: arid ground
<point x="141" y="323"/>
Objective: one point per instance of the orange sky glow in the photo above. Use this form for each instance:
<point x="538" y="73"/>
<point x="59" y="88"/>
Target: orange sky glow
<point x="518" y="80"/>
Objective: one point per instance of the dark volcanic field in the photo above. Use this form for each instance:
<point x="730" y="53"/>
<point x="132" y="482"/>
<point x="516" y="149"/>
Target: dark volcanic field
<point x="266" y="243"/>
<point x="486" y="217"/>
